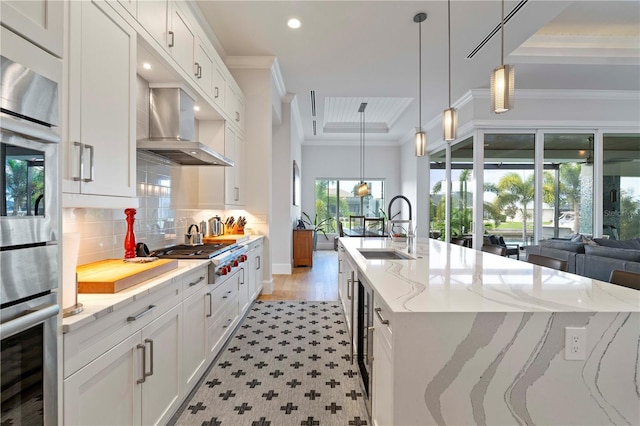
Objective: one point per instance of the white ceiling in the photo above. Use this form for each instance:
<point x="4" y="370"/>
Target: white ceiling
<point x="350" y="52"/>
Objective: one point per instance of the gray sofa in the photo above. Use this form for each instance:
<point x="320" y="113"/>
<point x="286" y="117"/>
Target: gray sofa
<point x="592" y="258"/>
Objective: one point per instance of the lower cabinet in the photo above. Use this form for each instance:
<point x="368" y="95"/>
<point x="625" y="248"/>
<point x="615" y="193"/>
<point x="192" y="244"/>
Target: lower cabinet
<point x="135" y="382"/>
<point x="254" y="260"/>
<point x="194" y="337"/>
<point x="382" y="392"/>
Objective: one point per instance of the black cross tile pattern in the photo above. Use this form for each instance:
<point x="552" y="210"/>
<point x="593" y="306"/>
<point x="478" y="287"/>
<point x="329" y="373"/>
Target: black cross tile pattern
<point x="281" y="375"/>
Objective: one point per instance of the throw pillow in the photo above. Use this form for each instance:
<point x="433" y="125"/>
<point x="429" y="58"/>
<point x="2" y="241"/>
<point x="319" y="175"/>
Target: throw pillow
<point x="563" y="245"/>
<point x="612" y="252"/>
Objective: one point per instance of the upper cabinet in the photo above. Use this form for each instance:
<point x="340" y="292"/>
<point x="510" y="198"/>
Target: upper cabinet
<point x="100" y="152"/>
<point x="152" y="15"/>
<point x="203" y="66"/>
<point x="40" y="21"/>
<point x="234" y="105"/>
<point x="181" y="39"/>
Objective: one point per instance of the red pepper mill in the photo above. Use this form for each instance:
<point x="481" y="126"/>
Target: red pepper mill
<point x="130" y="238"/>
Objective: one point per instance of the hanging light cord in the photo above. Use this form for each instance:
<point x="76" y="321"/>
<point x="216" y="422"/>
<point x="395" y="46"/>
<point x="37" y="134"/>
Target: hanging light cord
<point x="449" y="35"/>
<point x="420" y="76"/>
<point x="362" y="130"/>
<point x="502" y="34"/>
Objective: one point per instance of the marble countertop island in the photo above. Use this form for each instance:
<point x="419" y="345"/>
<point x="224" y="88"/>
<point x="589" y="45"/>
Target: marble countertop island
<point x="450" y="278"/>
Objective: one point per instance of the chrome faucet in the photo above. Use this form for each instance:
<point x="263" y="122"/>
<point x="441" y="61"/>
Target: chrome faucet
<point x="410" y="231"/>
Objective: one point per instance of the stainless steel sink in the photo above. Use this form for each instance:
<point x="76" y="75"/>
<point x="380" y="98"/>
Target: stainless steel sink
<point x="384" y="254"/>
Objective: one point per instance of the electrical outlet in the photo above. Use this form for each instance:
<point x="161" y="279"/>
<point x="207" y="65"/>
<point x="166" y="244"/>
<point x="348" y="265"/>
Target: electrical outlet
<point x="575" y="343"/>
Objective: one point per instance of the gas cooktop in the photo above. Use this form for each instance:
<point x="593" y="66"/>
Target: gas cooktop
<point x="182" y="251"/>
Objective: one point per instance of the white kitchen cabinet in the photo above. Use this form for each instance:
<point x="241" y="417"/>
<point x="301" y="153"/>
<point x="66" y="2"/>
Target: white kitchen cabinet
<point x="223" y="312"/>
<point x="382" y="393"/>
<point x="194" y="338"/>
<point x="203" y="67"/>
<point x="219" y="84"/>
<point x="39" y="21"/>
<point x="135" y="382"/>
<point x="347" y="290"/>
<point x="100" y="156"/>
<point x="254" y="260"/>
<point x="181" y="38"/>
<point x="152" y="15"/>
<point x="234" y="105"/>
<point x="221" y="187"/>
<point x="234" y="176"/>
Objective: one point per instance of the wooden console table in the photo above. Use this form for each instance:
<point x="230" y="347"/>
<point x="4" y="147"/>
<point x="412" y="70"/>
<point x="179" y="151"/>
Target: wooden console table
<point x="302" y="247"/>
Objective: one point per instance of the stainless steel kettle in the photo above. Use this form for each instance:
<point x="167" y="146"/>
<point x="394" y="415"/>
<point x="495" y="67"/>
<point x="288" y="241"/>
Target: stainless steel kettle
<point x="216" y="227"/>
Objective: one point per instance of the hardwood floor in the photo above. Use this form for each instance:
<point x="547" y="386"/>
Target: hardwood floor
<point x="313" y="284"/>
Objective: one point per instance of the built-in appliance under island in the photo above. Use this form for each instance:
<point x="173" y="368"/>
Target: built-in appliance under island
<point x="465" y="337"/>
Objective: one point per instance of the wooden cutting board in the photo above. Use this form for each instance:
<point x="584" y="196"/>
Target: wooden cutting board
<point x="114" y="275"/>
<point x="228" y="238"/>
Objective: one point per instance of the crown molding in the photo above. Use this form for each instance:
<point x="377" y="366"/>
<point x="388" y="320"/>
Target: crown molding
<point x="292" y="99"/>
<point x="278" y="81"/>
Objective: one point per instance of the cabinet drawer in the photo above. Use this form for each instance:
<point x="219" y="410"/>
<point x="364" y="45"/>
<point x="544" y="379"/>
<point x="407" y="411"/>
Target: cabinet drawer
<point x="222" y="294"/>
<point x="384" y="331"/>
<point x="222" y="324"/>
<point x="92" y="340"/>
<point x="193" y="281"/>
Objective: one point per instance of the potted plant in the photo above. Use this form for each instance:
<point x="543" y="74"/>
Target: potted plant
<point x="316" y="226"/>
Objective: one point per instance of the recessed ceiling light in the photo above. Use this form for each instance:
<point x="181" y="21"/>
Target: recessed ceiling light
<point x="146" y="66"/>
<point x="196" y="108"/>
<point x="293" y="23"/>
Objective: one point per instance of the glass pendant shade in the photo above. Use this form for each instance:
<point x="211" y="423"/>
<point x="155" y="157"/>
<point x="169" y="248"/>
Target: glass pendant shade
<point x="449" y="124"/>
<point x="502" y="87"/>
<point x="363" y="189"/>
<point x="421" y="143"/>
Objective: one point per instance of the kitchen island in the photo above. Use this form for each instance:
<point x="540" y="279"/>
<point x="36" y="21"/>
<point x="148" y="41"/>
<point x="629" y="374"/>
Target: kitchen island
<point x="475" y="338"/>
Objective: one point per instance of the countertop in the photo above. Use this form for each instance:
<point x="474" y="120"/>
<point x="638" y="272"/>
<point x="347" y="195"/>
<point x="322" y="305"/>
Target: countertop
<point x="96" y="305"/>
<point x="450" y="278"/>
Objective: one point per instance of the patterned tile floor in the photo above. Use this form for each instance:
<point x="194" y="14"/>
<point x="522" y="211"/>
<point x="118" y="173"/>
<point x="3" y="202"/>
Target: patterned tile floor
<point x="288" y="363"/>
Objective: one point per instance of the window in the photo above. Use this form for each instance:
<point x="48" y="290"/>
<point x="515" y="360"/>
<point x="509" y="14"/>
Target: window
<point x="338" y="199"/>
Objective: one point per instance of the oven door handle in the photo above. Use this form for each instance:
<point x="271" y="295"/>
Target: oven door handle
<point x="27" y="321"/>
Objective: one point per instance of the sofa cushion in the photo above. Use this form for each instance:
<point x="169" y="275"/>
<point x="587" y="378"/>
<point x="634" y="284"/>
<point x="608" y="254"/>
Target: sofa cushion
<point x="563" y="245"/>
<point x="633" y="244"/>
<point x="614" y="253"/>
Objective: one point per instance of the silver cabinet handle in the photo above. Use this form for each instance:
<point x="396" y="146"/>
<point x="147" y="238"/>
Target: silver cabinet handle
<point x="210" y="305"/>
<point x="27" y="321"/>
<point x="141" y="314"/>
<point x="227" y="294"/>
<point x="199" y="71"/>
<point x="144" y="363"/>
<point x="259" y="262"/>
<point x="196" y="281"/>
<point x="353" y="308"/>
<point x="91" y="163"/>
<point x="366" y="354"/>
<point x="228" y="323"/>
<point x="172" y="38"/>
<point x="80" y="162"/>
<point x="215" y="92"/>
<point x="150" y="342"/>
<point x="197" y="66"/>
<point x="237" y="116"/>
<point x="242" y="282"/>
<point x="339" y="266"/>
<point x="237" y="193"/>
<point x="382" y="320"/>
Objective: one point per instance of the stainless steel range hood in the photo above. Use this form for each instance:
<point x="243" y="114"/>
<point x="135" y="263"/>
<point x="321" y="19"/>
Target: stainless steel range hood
<point x="172" y="130"/>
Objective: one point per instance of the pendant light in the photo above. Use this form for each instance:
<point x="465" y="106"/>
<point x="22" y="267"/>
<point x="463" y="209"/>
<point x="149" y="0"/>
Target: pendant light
<point x="363" y="189"/>
<point x="421" y="137"/>
<point x="450" y="115"/>
<point x="502" y="79"/>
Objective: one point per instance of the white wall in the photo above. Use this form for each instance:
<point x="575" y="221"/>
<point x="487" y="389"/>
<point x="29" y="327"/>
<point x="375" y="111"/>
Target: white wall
<point x="342" y="162"/>
<point x="286" y="149"/>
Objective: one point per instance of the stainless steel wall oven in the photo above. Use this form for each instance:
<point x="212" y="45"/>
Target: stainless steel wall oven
<point x="29" y="237"/>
